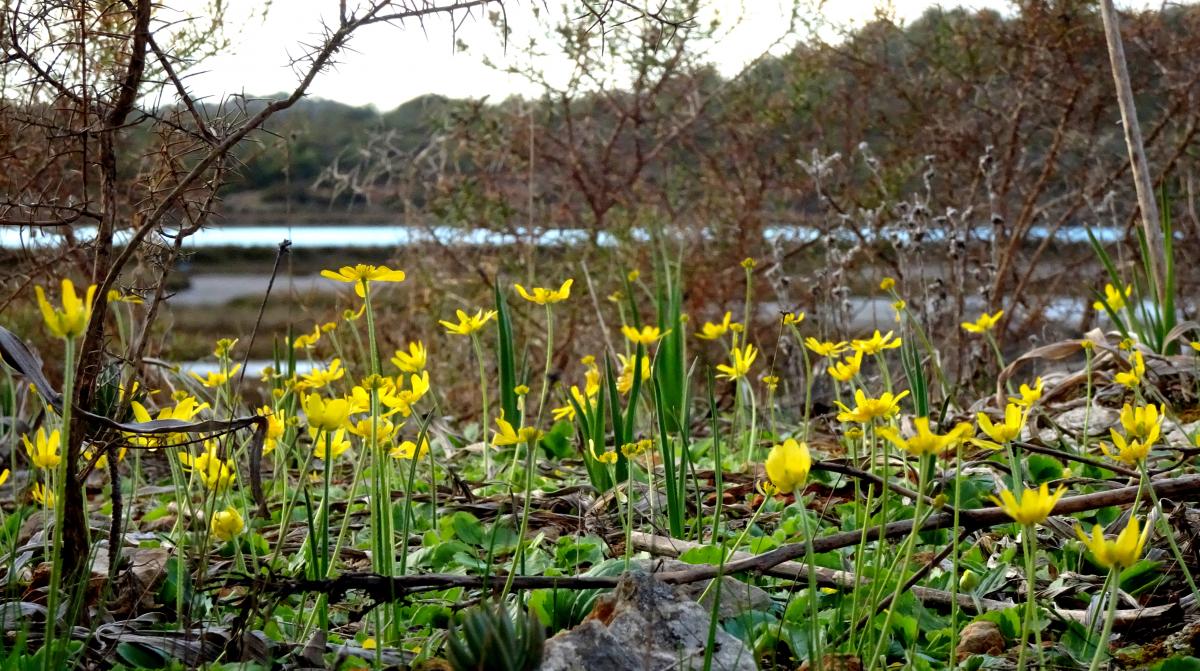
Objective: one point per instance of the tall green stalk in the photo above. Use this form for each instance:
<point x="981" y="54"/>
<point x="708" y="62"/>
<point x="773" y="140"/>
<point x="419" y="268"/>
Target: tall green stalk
<point x="60" y="488"/>
<point x="909" y="545"/>
<point x="1030" y="549"/>
<point x="485" y="422"/>
<point x="815" y="655"/>
<point x="1114" y="585"/>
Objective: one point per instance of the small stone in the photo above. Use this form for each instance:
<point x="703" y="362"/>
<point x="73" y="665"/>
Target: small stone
<point x="1098" y="420"/>
<point x="980" y="638"/>
<point x="737" y="597"/>
<point x="644" y="623"/>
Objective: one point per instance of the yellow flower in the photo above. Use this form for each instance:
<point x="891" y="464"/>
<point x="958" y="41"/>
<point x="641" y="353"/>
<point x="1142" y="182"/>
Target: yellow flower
<point x="275" y="428"/>
<point x="507" y="435"/>
<point x="1014" y="421"/>
<point x="227" y="524"/>
<point x="984" y="324"/>
<point x="308" y="340"/>
<point x="1121" y="553"/>
<point x="468" y="324"/>
<point x="321" y="377"/>
<point x="633" y="275"/>
<point x="1133" y="377"/>
<point x="876" y="343"/>
<point x="521" y="389"/>
<point x="43" y="451"/>
<point x="43" y="495"/>
<point x="567" y="411"/>
<point x="711" y="331"/>
<point x="648" y="335"/>
<point x="72" y="319"/>
<point x="625" y="379"/>
<point x="603" y="457"/>
<point x="827" y="348"/>
<point x="408" y="448"/>
<point x="887" y="284"/>
<point x="921" y="443"/>
<point x="385" y="430"/>
<point x="413" y="361"/>
<point x="215" y="473"/>
<point x="402" y="399"/>
<point x="749" y="263"/>
<point x="1113" y="299"/>
<point x="867" y="409"/>
<point x="4" y="476"/>
<point x="115" y="296"/>
<point x="224" y="347"/>
<point x="637" y="449"/>
<point x="788" y="464"/>
<point x="1131" y="452"/>
<point x="845" y="371"/>
<point x="1144" y="422"/>
<point x="771" y="382"/>
<point x="101" y="462"/>
<point x="185" y="410"/>
<point x="961" y="433"/>
<point x="899" y="307"/>
<point x="1029" y="395"/>
<point x="329" y="326"/>
<point x="361" y="274"/>
<point x="741" y="358"/>
<point x="792" y="318"/>
<point x="326" y="414"/>
<point x="543" y="296"/>
<point x="215" y="378"/>
<point x="1035" y="504"/>
<point x="337" y="443"/>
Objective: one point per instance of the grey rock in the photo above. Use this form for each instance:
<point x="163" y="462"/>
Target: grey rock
<point x="737" y="597"/>
<point x="644" y="624"/>
<point x="1098" y="420"/>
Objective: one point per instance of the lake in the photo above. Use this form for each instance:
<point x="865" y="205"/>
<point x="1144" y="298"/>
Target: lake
<point x="358" y="236"/>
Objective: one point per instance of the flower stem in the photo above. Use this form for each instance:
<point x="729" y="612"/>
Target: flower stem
<point x="1109" y="616"/>
<point x="1165" y="530"/>
<point x="909" y="545"/>
<point x="814" y="630"/>
<point x="529" y="447"/>
<point x="1030" y="549"/>
<point x="60" y="488"/>
<point x="486" y="421"/>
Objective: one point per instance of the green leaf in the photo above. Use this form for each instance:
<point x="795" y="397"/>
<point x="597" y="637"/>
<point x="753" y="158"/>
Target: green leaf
<point x="141" y="656"/>
<point x="557" y="441"/>
<point x="1181" y="663"/>
<point x="706" y="554"/>
<point x="177" y="580"/>
<point x="1079" y="642"/>
<point x="1008" y="620"/>
<point x="1043" y="468"/>
<point x="505" y="360"/>
<point x="467" y="528"/>
<point x="1141" y="576"/>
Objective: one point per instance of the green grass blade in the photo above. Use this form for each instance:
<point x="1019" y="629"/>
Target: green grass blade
<point x="505" y="358"/>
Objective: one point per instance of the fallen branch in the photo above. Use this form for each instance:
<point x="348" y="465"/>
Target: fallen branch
<point x="673" y="547"/>
<point x="1185" y="488"/>
<point x="777" y="562"/>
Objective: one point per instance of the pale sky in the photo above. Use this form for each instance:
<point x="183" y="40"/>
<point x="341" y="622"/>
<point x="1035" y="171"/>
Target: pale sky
<point x="388" y="65"/>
